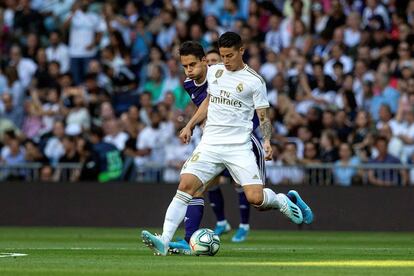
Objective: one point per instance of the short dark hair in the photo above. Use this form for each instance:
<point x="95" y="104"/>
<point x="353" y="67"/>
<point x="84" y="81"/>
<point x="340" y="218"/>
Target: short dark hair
<point x="230" y="40"/>
<point x="213" y="51"/>
<point x="97" y="131"/>
<point x="191" y="48"/>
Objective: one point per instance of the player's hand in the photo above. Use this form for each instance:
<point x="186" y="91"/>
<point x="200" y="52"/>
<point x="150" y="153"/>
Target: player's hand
<point x="185" y="135"/>
<point x="268" y="150"/>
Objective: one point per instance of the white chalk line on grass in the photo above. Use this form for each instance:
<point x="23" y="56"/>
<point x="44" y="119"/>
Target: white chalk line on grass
<point x="234" y="248"/>
<point x="9" y="255"/>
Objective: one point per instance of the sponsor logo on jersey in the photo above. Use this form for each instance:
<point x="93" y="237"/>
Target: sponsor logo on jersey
<point x="225" y="101"/>
<point x="239" y="87"/>
<point x="219" y="73"/>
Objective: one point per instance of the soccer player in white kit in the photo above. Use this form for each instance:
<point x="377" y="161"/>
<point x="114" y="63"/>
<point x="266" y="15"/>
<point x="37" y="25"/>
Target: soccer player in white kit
<point x="235" y="93"/>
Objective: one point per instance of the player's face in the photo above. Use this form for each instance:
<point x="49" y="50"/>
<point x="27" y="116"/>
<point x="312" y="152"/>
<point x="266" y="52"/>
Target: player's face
<point x="212" y="58"/>
<point x="194" y="68"/>
<point x="232" y="58"/>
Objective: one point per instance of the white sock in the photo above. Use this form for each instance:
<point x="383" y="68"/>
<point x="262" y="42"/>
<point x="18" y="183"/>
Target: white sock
<point x="271" y="200"/>
<point x="222" y="222"/>
<point x="244" y="226"/>
<point x="175" y="215"/>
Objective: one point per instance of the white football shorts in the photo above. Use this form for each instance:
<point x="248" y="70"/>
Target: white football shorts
<point x="207" y="161"/>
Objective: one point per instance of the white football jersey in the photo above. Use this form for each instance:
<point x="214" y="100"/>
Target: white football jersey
<point x="234" y="97"/>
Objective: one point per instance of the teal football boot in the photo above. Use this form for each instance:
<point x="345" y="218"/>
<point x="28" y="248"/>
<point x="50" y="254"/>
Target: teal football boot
<point x="155" y="243"/>
<point x="306" y="210"/>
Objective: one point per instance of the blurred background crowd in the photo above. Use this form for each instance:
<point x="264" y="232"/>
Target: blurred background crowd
<point x="74" y="74"/>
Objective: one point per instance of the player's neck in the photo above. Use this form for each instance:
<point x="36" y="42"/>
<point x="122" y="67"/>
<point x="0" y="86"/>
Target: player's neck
<point x="240" y="67"/>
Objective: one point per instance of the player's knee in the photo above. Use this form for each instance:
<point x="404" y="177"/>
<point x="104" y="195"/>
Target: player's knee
<point x="189" y="185"/>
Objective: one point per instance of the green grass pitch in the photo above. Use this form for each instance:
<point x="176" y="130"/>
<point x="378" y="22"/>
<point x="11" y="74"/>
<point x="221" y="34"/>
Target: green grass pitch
<point x="107" y="251"/>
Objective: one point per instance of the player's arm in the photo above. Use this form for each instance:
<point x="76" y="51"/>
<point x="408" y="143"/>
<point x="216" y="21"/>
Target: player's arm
<point x="198" y="117"/>
<point x="266" y="129"/>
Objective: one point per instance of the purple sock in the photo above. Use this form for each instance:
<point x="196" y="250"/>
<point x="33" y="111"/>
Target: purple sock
<point x="193" y="216"/>
<point x="217" y="203"/>
<point x="244" y="206"/>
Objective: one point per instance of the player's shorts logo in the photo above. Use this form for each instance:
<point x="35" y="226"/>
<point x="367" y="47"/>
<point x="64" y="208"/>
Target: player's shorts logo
<point x="219" y="73"/>
<point x="239" y="87"/>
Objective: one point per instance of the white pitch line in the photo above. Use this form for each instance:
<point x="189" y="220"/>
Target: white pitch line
<point x="139" y="248"/>
<point x="9" y="255"/>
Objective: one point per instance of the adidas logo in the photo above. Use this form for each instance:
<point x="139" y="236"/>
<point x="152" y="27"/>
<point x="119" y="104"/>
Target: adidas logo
<point x="215" y="82"/>
<point x="192" y="96"/>
<point x="255" y="176"/>
<point x="185" y="219"/>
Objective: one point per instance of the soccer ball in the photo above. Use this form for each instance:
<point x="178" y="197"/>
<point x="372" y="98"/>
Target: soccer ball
<point x="204" y="242"/>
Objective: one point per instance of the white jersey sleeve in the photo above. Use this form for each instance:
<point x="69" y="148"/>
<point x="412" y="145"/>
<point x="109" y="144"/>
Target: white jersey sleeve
<point x="260" y="96"/>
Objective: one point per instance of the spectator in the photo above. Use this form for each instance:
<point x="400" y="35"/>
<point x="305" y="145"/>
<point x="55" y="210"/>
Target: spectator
<point x="155" y="84"/>
<point x="149" y="148"/>
<point x="14" y="85"/>
<point x="167" y="33"/>
<point x="26" y="67"/>
<point x="15" y="156"/>
<point x="114" y="135"/>
<point x="11" y="112"/>
<point x="286" y="171"/>
<point x="375" y="8"/>
<point x="385" y="177"/>
<point x="33" y="153"/>
<point x="344" y="176"/>
<point x="105" y="162"/>
<point x="54" y="149"/>
<point x="85" y="32"/>
<point x="176" y="153"/>
<point x="329" y="151"/>
<point x="77" y="113"/>
<point x="58" y="51"/>
<point x="273" y="37"/>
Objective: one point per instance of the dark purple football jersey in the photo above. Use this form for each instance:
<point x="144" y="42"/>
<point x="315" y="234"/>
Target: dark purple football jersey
<point x="199" y="92"/>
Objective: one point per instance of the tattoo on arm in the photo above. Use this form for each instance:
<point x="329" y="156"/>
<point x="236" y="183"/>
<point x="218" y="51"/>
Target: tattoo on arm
<point x="265" y="125"/>
<point x="266" y="129"/>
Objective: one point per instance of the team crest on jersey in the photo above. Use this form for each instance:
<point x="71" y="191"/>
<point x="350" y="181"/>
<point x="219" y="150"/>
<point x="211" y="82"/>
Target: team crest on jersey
<point x="239" y="87"/>
<point x="219" y="73"/>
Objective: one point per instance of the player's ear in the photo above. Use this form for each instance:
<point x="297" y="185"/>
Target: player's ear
<point x="203" y="59"/>
<point x="241" y="50"/>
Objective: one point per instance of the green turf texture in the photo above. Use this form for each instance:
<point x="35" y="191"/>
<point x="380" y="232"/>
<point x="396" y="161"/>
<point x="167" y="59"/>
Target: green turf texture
<point x="107" y="251"/>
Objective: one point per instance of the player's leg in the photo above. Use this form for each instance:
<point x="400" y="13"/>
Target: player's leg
<point x="201" y="167"/>
<point x="244" y="208"/>
<point x="192" y="220"/>
<point x="266" y="199"/>
<point x="189" y="184"/>
<point x="243" y="168"/>
<point x="217" y="204"/>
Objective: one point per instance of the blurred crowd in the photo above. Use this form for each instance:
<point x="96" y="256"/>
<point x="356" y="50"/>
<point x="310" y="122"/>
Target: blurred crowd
<point x="340" y="78"/>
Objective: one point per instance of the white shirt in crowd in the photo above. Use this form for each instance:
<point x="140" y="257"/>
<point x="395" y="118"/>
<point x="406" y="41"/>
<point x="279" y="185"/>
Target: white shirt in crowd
<point x="59" y="54"/>
<point x="83" y="28"/>
<point x="54" y="150"/>
<point x="277" y="174"/>
<point x="150" y="138"/>
<point x="175" y="152"/>
<point x="80" y="117"/>
<point x="118" y="140"/>
<point x="351" y="37"/>
<point x="346" y="62"/>
<point x="26" y="69"/>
